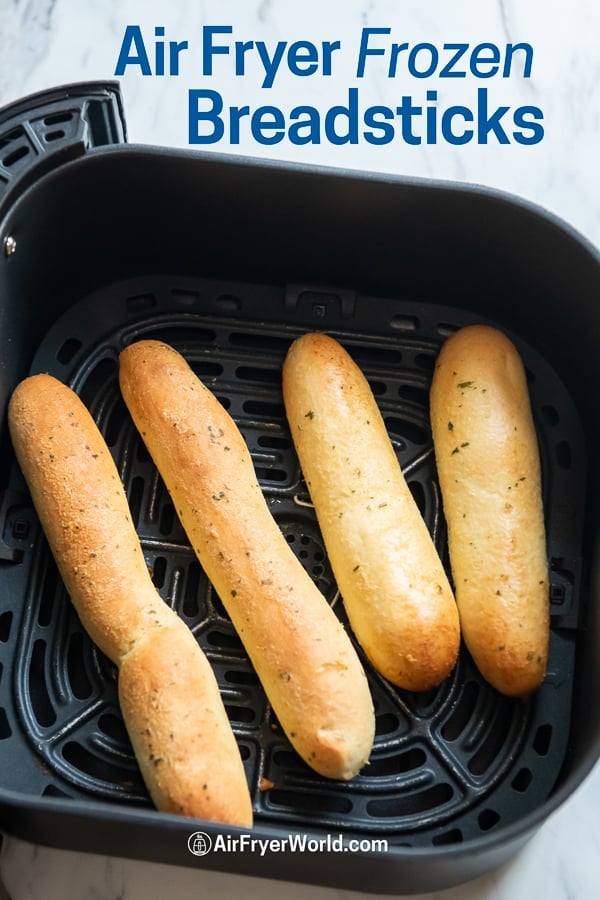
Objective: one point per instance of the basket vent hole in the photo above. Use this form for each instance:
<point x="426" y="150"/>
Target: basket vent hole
<point x="47" y="595"/>
<point x="55" y="135"/>
<point x="265" y="342"/>
<point x="378" y="388"/>
<point x="240" y="714"/>
<point x="463" y="711"/>
<point x="321" y="803"/>
<point x="418" y="493"/>
<point x="411" y="804"/>
<point x="487" y="819"/>
<point x="398" y="764"/>
<point x="414" y="393"/>
<point x="265" y="474"/>
<point x="5" y="729"/>
<point x="454" y="836"/>
<point x="80" y="683"/>
<point x="58" y="118"/>
<point x="101" y="375"/>
<point x="310" y="553"/>
<point x="84" y="761"/>
<point x="425" y="361"/>
<point x="288" y="759"/>
<point x="386" y="723"/>
<point x="185" y="298"/>
<point x="240" y="676"/>
<point x="362" y="356"/>
<point x="159" y="572"/>
<point x="228" y="303"/>
<point x="262" y="376"/>
<point x="495" y="739"/>
<point x="224" y="401"/>
<point x="11" y="158"/>
<point x="446" y="329"/>
<point x="224" y="640"/>
<point x="563" y="454"/>
<point x="264" y="408"/>
<point x="140" y="302"/>
<point x="134" y="498"/>
<point x="167" y="519"/>
<point x="9" y="138"/>
<point x="550" y="415"/>
<point x="68" y="350"/>
<point x="405" y="323"/>
<point x="113" y="727"/>
<point x="112" y="428"/>
<point x="5" y="623"/>
<point x="52" y="791"/>
<point x="190" y="606"/>
<point x="541" y="741"/>
<point x="141" y="451"/>
<point x="522" y="780"/>
<point x="38" y="692"/>
<point x="408" y="431"/>
<point x="204" y="368"/>
<point x="271" y="442"/>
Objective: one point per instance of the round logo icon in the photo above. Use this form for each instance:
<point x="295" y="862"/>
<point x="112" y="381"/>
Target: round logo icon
<point x="199" y="843"/>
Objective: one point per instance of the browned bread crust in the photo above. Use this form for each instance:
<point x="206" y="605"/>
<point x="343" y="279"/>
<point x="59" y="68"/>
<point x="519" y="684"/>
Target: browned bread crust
<point x="393" y="584"/>
<point x="301" y="653"/>
<point x="489" y="471"/>
<point x="169" y="696"/>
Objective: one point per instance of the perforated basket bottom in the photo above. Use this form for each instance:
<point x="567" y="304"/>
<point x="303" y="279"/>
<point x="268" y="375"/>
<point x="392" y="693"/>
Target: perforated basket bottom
<point x="447" y="765"/>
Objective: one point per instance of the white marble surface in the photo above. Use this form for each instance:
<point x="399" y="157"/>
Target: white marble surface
<point x="44" y="43"/>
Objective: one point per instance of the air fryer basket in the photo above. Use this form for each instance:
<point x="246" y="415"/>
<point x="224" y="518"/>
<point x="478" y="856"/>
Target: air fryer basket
<point x="229" y="261"/>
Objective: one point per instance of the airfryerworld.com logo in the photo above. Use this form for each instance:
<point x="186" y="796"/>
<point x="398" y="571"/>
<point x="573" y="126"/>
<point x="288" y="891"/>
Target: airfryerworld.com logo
<point x="200" y="843"/>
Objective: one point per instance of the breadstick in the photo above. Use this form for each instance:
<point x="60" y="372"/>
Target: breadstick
<point x="301" y="653"/>
<point x="489" y="471"/>
<point x="395" y="590"/>
<point x="169" y="696"/>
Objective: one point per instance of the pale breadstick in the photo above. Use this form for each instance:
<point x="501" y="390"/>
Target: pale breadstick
<point x="393" y="584"/>
<point x="489" y="471"/>
<point x="169" y="696"/>
<point x="302" y="655"/>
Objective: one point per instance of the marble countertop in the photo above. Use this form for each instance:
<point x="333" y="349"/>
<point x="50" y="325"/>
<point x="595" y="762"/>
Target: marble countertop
<point x="45" y="43"/>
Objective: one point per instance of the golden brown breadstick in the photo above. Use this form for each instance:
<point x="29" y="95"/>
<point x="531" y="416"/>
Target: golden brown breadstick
<point x="169" y="696"/>
<point x="393" y="584"/>
<point x="302" y="655"/>
<point x="489" y="471"/>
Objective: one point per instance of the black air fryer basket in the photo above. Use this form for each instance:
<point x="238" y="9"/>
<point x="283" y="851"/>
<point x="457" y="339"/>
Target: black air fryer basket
<point x="103" y="243"/>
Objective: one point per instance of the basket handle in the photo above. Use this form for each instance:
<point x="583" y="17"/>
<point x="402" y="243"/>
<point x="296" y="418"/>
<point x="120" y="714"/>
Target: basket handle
<point x="49" y="128"/>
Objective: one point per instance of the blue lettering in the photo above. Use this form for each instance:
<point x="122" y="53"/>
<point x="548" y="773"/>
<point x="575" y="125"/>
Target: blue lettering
<point x="260" y="123"/>
<point x="449" y="134"/>
<point x="365" y="50"/>
<point x="133" y="40"/>
<point x="479" y="59"/>
<point x="487" y="123"/>
<point x="522" y="121"/>
<point x="412" y="60"/>
<point x="311" y="124"/>
<point x="448" y="70"/>
<point x="209" y="49"/>
<point x="372" y="114"/>
<point x="511" y="49"/>
<point x="350" y="114"/>
<point x="210" y="115"/>
<point x="303" y="58"/>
